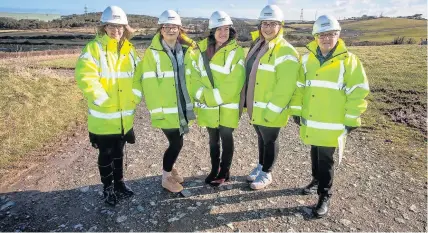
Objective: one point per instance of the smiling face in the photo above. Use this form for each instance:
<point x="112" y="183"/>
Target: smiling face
<point x="327" y="40"/>
<point x="114" y="31"/>
<point x="170" y="32"/>
<point x="270" y="29"/>
<point x="222" y="34"/>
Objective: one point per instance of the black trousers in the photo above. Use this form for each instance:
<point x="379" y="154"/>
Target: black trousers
<point x="268" y="146"/>
<point x="110" y="159"/>
<point x="323" y="168"/>
<point x="227" y="146"/>
<point x="175" y="144"/>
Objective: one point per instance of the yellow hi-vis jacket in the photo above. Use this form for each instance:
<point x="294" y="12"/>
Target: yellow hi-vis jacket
<point x="329" y="96"/>
<point x="219" y="104"/>
<point x="276" y="78"/>
<point x="105" y="76"/>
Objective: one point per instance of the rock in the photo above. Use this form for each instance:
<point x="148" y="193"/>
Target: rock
<point x="301" y="202"/>
<point x="298" y="216"/>
<point x="8" y="205"/>
<point x="307" y="211"/>
<point x="192" y="208"/>
<point x="220" y="218"/>
<point x="153" y="165"/>
<point x="405" y="216"/>
<point x="182" y="215"/>
<point x="140" y="208"/>
<point x="230" y="225"/>
<point x="78" y="227"/>
<point x="413" y="208"/>
<point x="121" y="219"/>
<point x="291" y="230"/>
<point x="400" y="220"/>
<point x="153" y="221"/>
<point x="186" y="193"/>
<point x="173" y="219"/>
<point x="152" y="203"/>
<point x="229" y="187"/>
<point x="3" y="198"/>
<point x="198" y="203"/>
<point x="193" y="184"/>
<point x="92" y="229"/>
<point x="223" y="199"/>
<point x="266" y="230"/>
<point x="200" y="173"/>
<point x="62" y="225"/>
<point x="345" y="222"/>
<point x="198" y="181"/>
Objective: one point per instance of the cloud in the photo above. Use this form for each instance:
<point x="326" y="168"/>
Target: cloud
<point x="280" y="2"/>
<point x="232" y="5"/>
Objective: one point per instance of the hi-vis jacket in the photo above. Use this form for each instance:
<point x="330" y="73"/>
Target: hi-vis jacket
<point x="275" y="82"/>
<point x="219" y="104"/>
<point x="105" y="75"/>
<point x="156" y="74"/>
<point x="329" y="96"/>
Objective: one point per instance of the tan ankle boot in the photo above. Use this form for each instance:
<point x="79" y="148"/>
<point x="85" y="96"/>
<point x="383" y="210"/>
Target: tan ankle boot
<point x="177" y="176"/>
<point x="169" y="183"/>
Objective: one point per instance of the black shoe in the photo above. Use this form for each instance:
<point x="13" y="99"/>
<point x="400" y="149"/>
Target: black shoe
<point x="109" y="196"/>
<point x="122" y="190"/>
<point x="311" y="188"/>
<point x="321" y="209"/>
<point x="221" y="178"/>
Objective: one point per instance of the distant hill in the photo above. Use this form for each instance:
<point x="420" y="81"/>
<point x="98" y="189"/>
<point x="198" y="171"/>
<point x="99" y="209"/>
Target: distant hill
<point x="31" y="16"/>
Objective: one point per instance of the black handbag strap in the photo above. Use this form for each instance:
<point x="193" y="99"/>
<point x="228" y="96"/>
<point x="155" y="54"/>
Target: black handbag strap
<point x="207" y="67"/>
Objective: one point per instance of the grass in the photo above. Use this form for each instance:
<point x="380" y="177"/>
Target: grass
<point x="59" y="63"/>
<point x="386" y="29"/>
<point x="36" y="107"/>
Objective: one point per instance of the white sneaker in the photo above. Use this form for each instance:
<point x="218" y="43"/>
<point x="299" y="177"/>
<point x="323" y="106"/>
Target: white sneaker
<point x="254" y="173"/>
<point x="263" y="179"/>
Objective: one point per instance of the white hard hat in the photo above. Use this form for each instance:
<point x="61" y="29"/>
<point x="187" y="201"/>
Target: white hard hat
<point x="115" y="15"/>
<point x="218" y="19"/>
<point x="271" y="12"/>
<point x="169" y="17"/>
<point x="325" y="23"/>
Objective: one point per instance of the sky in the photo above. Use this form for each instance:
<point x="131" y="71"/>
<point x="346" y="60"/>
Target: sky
<point x="235" y="8"/>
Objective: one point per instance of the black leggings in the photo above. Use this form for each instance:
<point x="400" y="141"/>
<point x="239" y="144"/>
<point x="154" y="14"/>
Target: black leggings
<point x="226" y="135"/>
<point x="175" y="144"/>
<point x="268" y="146"/>
<point x="110" y="159"/>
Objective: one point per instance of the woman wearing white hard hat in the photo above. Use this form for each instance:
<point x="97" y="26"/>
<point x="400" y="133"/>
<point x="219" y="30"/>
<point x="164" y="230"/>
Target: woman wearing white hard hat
<point x="217" y="78"/>
<point x="272" y="68"/>
<point x="104" y="72"/>
<point x="162" y="72"/>
<point x="331" y="98"/>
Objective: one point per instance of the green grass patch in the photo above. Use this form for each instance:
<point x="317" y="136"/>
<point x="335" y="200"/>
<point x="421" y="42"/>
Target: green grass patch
<point x="36" y="106"/>
<point x="386" y="29"/>
<point x="59" y="63"/>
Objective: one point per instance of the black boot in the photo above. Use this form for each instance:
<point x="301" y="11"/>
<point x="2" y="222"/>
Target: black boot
<point x="213" y="174"/>
<point x="215" y="164"/>
<point x="311" y="188"/>
<point x="321" y="209"/>
<point x="109" y="196"/>
<point x="222" y="177"/>
<point x="122" y="190"/>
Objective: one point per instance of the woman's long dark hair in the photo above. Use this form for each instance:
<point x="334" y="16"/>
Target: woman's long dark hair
<point x="232" y="35"/>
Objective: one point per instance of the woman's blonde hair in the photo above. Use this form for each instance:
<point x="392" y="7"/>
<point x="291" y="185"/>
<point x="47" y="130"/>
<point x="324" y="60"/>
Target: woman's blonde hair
<point x="128" y="33"/>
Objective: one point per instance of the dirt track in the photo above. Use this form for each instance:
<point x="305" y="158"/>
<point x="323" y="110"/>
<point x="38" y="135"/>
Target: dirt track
<point x="60" y="191"/>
